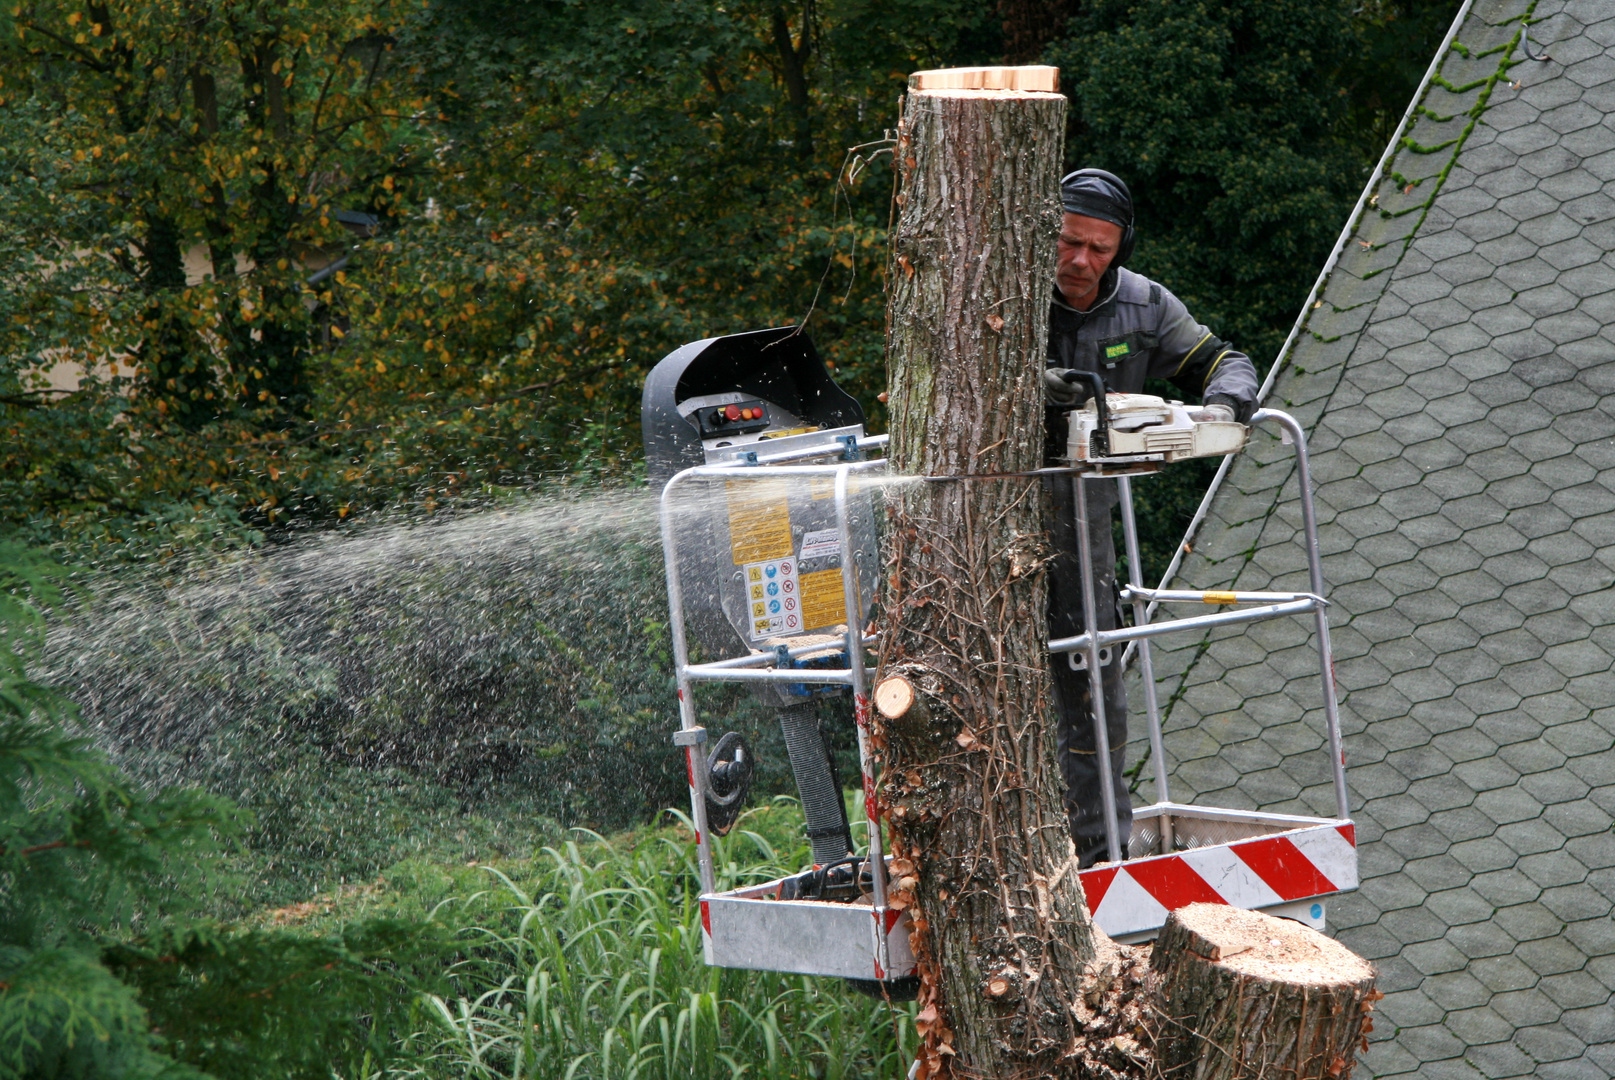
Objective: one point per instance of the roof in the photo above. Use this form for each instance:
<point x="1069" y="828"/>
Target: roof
<point x="1455" y="368"/>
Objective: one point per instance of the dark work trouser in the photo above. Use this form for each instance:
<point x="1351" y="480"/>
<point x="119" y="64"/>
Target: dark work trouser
<point x="1076" y="742"/>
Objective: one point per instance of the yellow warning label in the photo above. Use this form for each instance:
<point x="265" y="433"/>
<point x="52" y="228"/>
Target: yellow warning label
<point x="821" y="487"/>
<point x="759" y="521"/>
<point x="824" y="602"/>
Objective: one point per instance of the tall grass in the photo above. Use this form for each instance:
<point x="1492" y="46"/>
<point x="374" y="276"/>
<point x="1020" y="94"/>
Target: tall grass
<point x="597" y="974"/>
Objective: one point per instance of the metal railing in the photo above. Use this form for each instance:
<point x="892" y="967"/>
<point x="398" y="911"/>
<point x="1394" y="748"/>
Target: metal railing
<point x="761" y="666"/>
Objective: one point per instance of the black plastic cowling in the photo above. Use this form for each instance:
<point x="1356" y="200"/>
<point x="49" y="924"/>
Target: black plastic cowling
<point x="779" y="366"/>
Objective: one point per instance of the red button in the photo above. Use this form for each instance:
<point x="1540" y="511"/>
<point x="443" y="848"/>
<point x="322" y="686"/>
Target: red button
<point x="732" y="412"/>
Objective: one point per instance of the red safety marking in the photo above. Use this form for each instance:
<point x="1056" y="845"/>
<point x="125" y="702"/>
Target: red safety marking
<point x="681" y="695"/>
<point x="872" y="807"/>
<point x="891" y="919"/>
<point x="1349" y="832"/>
<point x="879" y="974"/>
<point x="706" y="918"/>
<point x="1174" y="883"/>
<point x="1095" y="883"/>
<point x="861" y="713"/>
<point x="689" y="766"/>
<point x="1287" y="872"/>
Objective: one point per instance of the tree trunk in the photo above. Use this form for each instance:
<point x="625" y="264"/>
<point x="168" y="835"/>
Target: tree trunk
<point x="1246" y="995"/>
<point x="971" y="785"/>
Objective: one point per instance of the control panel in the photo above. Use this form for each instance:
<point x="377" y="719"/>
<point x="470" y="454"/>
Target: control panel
<point x="734" y="418"/>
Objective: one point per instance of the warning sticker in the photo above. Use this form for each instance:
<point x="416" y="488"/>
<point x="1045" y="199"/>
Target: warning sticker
<point x="821" y="487"/>
<point x="773" y="597"/>
<point x="817" y="545"/>
<point x="824" y="603"/>
<point x="759" y="521"/>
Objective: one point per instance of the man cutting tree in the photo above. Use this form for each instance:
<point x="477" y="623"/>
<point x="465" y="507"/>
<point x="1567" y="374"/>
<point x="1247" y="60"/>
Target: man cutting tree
<point x="1126" y="328"/>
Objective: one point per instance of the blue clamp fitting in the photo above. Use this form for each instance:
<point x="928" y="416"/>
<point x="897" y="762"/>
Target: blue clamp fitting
<point x="849" y="445"/>
<point x="783" y="660"/>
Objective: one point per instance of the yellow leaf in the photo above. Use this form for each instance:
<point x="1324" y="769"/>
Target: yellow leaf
<point x="381" y="369"/>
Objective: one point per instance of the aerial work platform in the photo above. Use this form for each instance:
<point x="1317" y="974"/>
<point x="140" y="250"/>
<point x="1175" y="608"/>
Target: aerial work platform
<point x="806" y="490"/>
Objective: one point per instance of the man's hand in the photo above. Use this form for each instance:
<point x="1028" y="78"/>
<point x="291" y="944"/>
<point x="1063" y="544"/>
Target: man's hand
<point x="1060" y="392"/>
<point x="1216" y="412"/>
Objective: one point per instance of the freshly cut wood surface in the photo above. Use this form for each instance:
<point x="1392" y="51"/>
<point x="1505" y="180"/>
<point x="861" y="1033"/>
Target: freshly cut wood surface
<point x="1036" y="77"/>
<point x="1246" y="995"/>
<point x="894" y="697"/>
<point x="1265" y="947"/>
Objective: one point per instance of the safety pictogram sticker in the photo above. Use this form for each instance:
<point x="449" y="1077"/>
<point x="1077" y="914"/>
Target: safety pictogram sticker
<point x="774" y="596"/>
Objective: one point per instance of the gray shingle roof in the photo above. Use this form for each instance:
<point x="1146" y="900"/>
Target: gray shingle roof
<point x="1457" y="375"/>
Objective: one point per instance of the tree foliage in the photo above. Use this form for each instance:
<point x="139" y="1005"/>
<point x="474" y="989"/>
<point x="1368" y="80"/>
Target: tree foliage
<point x="105" y="970"/>
<point x="315" y="258"/>
<point x="80" y="854"/>
<point x="312" y="259"/>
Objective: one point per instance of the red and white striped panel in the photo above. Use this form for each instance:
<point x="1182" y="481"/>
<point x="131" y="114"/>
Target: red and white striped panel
<point x="1268" y="870"/>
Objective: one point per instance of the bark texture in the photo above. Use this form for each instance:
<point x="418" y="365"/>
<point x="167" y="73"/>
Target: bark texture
<point x="1245" y="995"/>
<point x="970" y="783"/>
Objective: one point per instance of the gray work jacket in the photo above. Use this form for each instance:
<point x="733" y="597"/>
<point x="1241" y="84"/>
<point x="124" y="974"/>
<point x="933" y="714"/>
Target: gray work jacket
<point x="1139" y="331"/>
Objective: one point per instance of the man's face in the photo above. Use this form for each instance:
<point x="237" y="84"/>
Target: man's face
<point x="1087" y="246"/>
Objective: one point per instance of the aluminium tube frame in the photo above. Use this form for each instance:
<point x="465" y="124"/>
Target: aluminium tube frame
<point x="1309" y="525"/>
<point x="1096" y="674"/>
<point x="1146" y="669"/>
<point x="741" y="669"/>
<point x="1275" y="605"/>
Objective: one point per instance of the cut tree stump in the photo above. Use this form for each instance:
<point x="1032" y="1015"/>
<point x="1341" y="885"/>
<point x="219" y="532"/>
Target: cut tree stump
<point x="1245" y="995"/>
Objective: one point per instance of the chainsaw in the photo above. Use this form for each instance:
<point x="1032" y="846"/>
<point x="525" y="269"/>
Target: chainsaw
<point x="1139" y="433"/>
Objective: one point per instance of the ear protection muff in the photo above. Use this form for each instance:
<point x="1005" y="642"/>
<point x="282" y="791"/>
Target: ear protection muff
<point x="1124" y="250"/>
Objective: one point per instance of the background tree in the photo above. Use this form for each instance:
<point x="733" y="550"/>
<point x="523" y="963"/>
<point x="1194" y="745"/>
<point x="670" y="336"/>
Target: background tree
<point x="106" y="970"/>
<point x="559" y="194"/>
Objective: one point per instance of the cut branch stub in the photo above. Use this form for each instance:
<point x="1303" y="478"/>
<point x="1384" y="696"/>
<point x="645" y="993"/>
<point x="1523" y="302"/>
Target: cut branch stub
<point x="1246" y="995"/>
<point x="894" y="697"/>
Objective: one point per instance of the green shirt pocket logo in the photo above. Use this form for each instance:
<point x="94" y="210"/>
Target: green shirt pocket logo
<point x="1119" y="349"/>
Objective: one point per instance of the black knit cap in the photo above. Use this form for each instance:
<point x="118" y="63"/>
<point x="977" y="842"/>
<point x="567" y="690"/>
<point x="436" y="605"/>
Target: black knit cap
<point x="1097" y="194"/>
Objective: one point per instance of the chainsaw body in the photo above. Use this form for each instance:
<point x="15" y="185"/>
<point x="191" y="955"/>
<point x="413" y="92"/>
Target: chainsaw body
<point x="1137" y="433"/>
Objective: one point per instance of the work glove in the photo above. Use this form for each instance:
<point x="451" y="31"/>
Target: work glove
<point x="1062" y="394"/>
<point x="1242" y="408"/>
<point x="1215" y="412"/>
